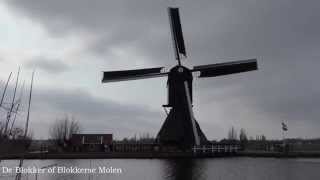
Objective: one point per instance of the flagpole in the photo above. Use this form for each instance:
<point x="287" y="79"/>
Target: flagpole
<point x="283" y="138"/>
<point x="282" y="132"/>
<point x="284" y="128"/>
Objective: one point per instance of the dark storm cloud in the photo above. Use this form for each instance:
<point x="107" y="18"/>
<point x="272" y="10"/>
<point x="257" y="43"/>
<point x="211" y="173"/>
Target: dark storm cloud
<point x="140" y="24"/>
<point x="283" y="35"/>
<point x="47" y="64"/>
<point x="213" y="29"/>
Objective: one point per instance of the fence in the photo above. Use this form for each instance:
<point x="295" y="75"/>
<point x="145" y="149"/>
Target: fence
<point x="233" y="148"/>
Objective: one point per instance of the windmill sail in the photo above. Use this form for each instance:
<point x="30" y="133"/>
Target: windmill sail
<point x="176" y="31"/>
<point x="220" y="69"/>
<point x="114" y="76"/>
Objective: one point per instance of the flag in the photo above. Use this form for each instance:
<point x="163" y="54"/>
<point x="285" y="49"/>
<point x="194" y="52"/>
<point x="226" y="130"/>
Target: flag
<point x="284" y="127"/>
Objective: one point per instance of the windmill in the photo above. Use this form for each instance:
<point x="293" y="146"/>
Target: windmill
<point x="180" y="127"/>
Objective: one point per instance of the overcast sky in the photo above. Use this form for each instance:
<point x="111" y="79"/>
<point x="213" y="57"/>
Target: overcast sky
<point x="70" y="43"/>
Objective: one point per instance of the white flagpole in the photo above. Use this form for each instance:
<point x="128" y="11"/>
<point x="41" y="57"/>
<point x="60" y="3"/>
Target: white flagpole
<point x="284" y="128"/>
<point x="283" y="137"/>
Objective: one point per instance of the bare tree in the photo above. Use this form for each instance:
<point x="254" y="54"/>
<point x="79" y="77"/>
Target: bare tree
<point x="62" y="130"/>
<point x="232" y="134"/>
<point x="243" y="138"/>
<point x="243" y="135"/>
<point x="146" y="138"/>
<point x="261" y="138"/>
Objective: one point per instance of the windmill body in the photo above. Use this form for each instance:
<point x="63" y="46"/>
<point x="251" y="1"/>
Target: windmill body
<point x="180" y="128"/>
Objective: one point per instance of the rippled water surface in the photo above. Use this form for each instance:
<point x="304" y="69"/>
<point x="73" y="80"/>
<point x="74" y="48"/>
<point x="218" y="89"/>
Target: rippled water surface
<point x="155" y="169"/>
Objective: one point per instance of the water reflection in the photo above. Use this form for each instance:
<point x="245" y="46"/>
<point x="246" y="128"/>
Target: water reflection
<point x="176" y="169"/>
<point x="187" y="169"/>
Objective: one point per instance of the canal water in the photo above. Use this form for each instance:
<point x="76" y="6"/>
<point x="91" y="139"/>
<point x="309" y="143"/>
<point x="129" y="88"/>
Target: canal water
<point x="239" y="168"/>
